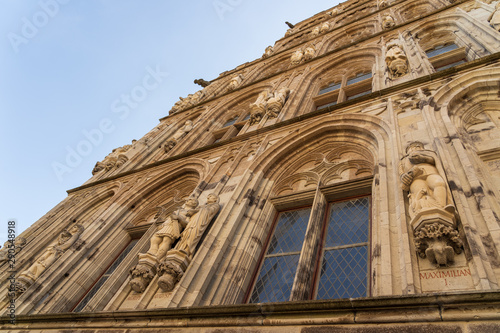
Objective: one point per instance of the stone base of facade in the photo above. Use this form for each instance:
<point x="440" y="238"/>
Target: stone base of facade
<point x="454" y="312"/>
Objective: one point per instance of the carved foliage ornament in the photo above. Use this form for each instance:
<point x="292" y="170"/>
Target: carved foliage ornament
<point x="300" y="55"/>
<point x="388" y="22"/>
<point x="438" y="243"/>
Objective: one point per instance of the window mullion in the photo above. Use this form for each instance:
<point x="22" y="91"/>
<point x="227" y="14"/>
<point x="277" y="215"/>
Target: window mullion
<point x="301" y="289"/>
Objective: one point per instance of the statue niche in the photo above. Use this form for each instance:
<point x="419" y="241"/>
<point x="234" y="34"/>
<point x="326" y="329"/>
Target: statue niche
<point x="65" y="240"/>
<point x="160" y="243"/>
<point x="269" y="104"/>
<point x="178" y="135"/>
<point x="431" y="209"/>
<point x="177" y="260"/>
<point x="396" y="60"/>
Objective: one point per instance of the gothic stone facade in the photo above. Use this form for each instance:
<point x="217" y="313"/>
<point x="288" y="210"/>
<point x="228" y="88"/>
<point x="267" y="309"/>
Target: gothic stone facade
<point x="349" y="180"/>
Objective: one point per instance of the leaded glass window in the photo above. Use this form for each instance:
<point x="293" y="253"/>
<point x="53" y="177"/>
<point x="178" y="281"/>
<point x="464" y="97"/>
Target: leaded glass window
<point x="342" y="271"/>
<point x="344" y="266"/>
<point x="86" y="299"/>
<point x="275" y="279"/>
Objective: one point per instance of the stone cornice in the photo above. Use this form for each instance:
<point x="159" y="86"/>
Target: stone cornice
<point x="430" y="308"/>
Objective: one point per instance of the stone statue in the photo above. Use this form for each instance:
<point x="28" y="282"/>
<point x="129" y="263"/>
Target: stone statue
<point x="116" y="158"/>
<point x="19" y="243"/>
<point x="495" y="18"/>
<point x="51" y="254"/>
<point x="388" y="22"/>
<point x="179" y="134"/>
<point x="421" y="178"/>
<point x="171" y="229"/>
<point x="197" y="225"/>
<point x="161" y="242"/>
<point x="396" y="60"/>
<point x="309" y="53"/>
<point x="296" y="57"/>
<point x="172" y="268"/>
<point x="276" y="102"/>
<point x="315" y="32"/>
<point x="268" y="52"/>
<point x="259" y="107"/>
<point x="431" y="210"/>
<point x="235" y="82"/>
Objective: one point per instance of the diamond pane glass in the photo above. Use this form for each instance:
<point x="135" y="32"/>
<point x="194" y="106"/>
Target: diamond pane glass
<point x="343" y="273"/>
<point x="290" y="231"/>
<point x="348" y="222"/>
<point x="275" y="279"/>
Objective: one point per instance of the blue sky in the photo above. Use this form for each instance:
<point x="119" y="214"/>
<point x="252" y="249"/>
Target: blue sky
<point x="65" y="63"/>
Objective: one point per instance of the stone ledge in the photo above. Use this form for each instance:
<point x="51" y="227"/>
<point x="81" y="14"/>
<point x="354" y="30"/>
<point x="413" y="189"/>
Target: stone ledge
<point x="472" y="307"/>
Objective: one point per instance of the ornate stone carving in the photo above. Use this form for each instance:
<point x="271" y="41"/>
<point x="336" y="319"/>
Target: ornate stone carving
<point x="300" y="55"/>
<point x="65" y="240"/>
<point x="235" y="82"/>
<point x="19" y="244"/>
<point x="495" y="18"/>
<point x="325" y="27"/>
<point x="431" y="210"/>
<point x="334" y="12"/>
<point x="296" y="57"/>
<point x="178" y="259"/>
<point x="439" y="243"/>
<point x="116" y="158"/>
<point x="160" y="243"/>
<point x="396" y="60"/>
<point x="269" y="104"/>
<point x="179" y="134"/>
<point x="268" y="52"/>
<point x="315" y="31"/>
<point x="259" y="107"/>
<point x="190" y="100"/>
<point x="276" y="102"/>
<point x="387" y="22"/>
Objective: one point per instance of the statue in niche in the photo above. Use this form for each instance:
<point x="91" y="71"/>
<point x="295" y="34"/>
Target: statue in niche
<point x="116" y="158"/>
<point x="160" y="244"/>
<point x="179" y="134"/>
<point x="197" y="225"/>
<point x="172" y="268"/>
<point x="276" y="102"/>
<point x="431" y="209"/>
<point x="387" y="22"/>
<point x="259" y="107"/>
<point x="65" y="240"/>
<point x="268" y="52"/>
<point x="396" y="60"/>
<point x="171" y="229"/>
<point x="235" y="82"/>
<point x="296" y="57"/>
<point x="19" y="243"/>
<point x="419" y="176"/>
<point x="495" y="18"/>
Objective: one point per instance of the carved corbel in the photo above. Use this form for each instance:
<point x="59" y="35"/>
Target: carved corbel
<point x="396" y="61"/>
